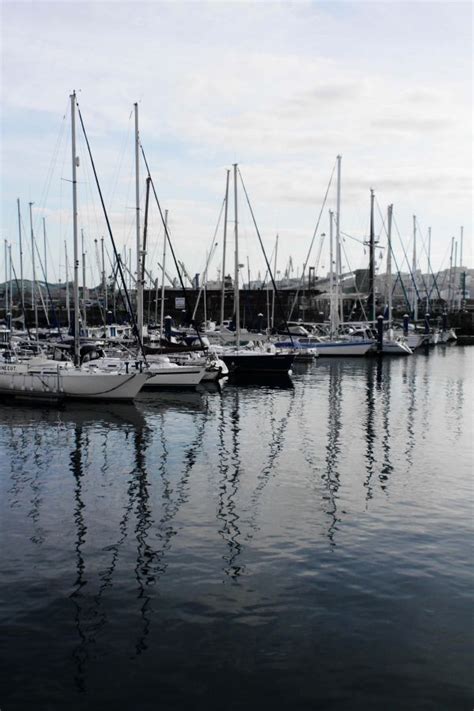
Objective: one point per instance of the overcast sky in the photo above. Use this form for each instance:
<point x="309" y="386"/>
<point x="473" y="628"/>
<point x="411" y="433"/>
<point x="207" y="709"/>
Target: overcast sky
<point x="280" y="88"/>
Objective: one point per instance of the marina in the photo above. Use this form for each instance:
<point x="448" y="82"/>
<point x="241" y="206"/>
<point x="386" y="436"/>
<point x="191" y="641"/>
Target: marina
<point x="236" y="356"/>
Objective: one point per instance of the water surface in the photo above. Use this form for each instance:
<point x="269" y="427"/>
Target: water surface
<point x="297" y="547"/>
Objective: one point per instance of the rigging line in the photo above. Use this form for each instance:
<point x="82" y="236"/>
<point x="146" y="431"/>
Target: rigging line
<point x="430" y="271"/>
<point x="423" y="245"/>
<point x="408" y="264"/>
<point x="344" y="234"/>
<point x="109" y="228"/>
<point x="23" y="310"/>
<point x="49" y="172"/>
<point x="49" y="295"/>
<point x="305" y="264"/>
<point x="213" y="240"/>
<point x="167" y="236"/>
<point x="266" y="259"/>
<point x="435" y="278"/>
<point x="264" y="282"/>
<point x="406" y="259"/>
<point x="118" y="168"/>
<point x="357" y="292"/>
<point x="211" y="252"/>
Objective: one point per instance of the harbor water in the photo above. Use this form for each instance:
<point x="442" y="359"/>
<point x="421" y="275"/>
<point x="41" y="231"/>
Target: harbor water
<point x="290" y="546"/>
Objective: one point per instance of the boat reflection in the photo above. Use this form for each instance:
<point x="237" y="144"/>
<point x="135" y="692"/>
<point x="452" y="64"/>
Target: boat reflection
<point x="136" y="522"/>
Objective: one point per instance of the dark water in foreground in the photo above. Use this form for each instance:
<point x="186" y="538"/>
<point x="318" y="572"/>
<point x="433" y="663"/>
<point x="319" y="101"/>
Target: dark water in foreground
<point x="285" y="548"/>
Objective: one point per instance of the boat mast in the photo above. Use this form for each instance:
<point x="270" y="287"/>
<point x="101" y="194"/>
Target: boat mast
<point x="413" y="268"/>
<point x="224" y="247"/>
<point x="84" y="315"/>
<point x="428" y="277"/>
<point x="162" y="306"/>
<point x="67" y="286"/>
<point x="45" y="251"/>
<point x="450" y="283"/>
<point x="77" y="355"/>
<point x="22" y="287"/>
<point x="139" y="283"/>
<point x="33" y="283"/>
<point x="273" y="292"/>
<point x="455" y="273"/>
<point x="371" y="299"/>
<point x="339" y="300"/>
<point x="236" y="266"/>
<point x="6" y="277"/>
<point x="389" y="265"/>
<point x="332" y="311"/>
<point x="104" y="282"/>
<point x="10" y="283"/>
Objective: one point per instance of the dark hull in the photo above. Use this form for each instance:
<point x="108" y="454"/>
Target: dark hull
<point x="267" y="363"/>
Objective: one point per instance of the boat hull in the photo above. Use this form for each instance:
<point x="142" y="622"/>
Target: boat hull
<point x="269" y="363"/>
<point x="178" y="377"/>
<point x="64" y="384"/>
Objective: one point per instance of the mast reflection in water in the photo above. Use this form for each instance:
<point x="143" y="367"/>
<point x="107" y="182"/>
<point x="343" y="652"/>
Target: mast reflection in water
<point x="294" y="547"/>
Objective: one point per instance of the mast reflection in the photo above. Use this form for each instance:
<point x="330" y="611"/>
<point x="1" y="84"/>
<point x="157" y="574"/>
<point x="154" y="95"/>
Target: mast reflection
<point x="333" y="448"/>
<point x="229" y="470"/>
<point x="370" y="431"/>
<point x="80" y="653"/>
<point x="275" y="448"/>
<point x="385" y="383"/>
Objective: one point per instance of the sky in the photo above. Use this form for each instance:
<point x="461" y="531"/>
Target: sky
<point x="281" y="88"/>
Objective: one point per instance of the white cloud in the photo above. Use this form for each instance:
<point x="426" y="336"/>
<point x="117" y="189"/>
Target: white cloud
<point x="280" y="88"/>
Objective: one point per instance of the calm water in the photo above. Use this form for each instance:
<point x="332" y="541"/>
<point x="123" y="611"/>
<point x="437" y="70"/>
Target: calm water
<point x="289" y="548"/>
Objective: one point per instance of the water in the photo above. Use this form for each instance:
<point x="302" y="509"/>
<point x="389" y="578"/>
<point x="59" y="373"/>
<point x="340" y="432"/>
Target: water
<point x="288" y="548"/>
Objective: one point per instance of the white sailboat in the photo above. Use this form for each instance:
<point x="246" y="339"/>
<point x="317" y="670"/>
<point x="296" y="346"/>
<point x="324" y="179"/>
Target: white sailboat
<point x="39" y="377"/>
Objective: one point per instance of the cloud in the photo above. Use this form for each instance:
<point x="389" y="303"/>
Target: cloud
<point x="280" y="88"/>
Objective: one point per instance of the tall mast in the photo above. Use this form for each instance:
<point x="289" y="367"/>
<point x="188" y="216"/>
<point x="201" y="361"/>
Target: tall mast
<point x="274" y="272"/>
<point x="67" y="286"/>
<point x="162" y="306"/>
<point x="339" y="302"/>
<point x="428" y="276"/>
<point x="371" y="299"/>
<point x="139" y="283"/>
<point x="413" y="269"/>
<point x="455" y="274"/>
<point x="389" y="264"/>
<point x="45" y="251"/>
<point x="224" y="246"/>
<point x="77" y="354"/>
<point x="22" y="287"/>
<point x="84" y="315"/>
<point x="450" y="287"/>
<point x="332" y="314"/>
<point x="45" y="265"/>
<point x="10" y="291"/>
<point x="104" y="282"/>
<point x="33" y="283"/>
<point x="236" y="266"/>
<point x="6" y="277"/>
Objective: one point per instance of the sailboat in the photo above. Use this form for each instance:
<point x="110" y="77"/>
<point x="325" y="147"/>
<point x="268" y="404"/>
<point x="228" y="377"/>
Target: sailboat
<point x="390" y="344"/>
<point x="41" y="378"/>
<point x="241" y="361"/>
<point x="358" y="344"/>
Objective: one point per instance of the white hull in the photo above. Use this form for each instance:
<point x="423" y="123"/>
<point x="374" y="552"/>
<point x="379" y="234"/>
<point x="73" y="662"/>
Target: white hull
<point x="396" y="348"/>
<point x="414" y="340"/>
<point x="51" y="381"/>
<point x="343" y="348"/>
<point x="180" y="376"/>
